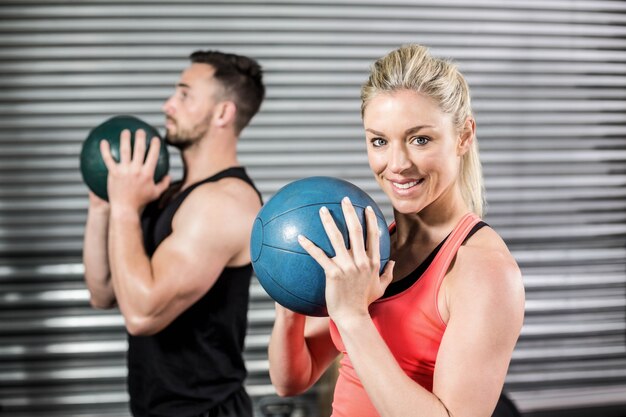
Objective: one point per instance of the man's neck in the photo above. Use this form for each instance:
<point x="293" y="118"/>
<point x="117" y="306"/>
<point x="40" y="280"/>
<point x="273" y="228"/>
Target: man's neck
<point x="208" y="157"/>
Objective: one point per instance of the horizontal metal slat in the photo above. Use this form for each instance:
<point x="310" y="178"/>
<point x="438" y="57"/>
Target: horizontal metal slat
<point x="318" y="52"/>
<point x="295" y="10"/>
<point x="152" y="36"/>
<point x="349" y="108"/>
<point x="570" y="397"/>
<point x="565" y="5"/>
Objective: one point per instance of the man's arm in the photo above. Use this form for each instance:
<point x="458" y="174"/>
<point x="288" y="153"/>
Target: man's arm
<point x="152" y="292"/>
<point x="95" y="254"/>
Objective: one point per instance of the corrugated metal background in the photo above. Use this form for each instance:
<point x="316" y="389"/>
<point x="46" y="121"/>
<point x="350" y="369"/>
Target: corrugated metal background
<point x="549" y="87"/>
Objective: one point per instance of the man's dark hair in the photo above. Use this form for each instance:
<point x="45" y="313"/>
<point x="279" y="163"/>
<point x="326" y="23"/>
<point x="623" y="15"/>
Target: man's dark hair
<point x="242" y="80"/>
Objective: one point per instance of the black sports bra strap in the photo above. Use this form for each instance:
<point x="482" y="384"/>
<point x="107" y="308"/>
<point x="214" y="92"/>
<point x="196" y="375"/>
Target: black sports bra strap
<point x="475" y="229"/>
<point x="406" y="282"/>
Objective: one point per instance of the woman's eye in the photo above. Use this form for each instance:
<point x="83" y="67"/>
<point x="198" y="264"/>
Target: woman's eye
<point x="420" y="140"/>
<point x="377" y="142"/>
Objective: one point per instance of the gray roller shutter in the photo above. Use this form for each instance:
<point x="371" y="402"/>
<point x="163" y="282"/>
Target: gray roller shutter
<point x="548" y="80"/>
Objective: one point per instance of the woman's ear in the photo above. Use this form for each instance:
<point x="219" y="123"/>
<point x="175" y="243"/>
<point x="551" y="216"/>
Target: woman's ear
<point x="225" y="113"/>
<point x="466" y="137"/>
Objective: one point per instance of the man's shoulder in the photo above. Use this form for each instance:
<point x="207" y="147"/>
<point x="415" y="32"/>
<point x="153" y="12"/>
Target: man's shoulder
<point x="226" y="194"/>
<point x="227" y="202"/>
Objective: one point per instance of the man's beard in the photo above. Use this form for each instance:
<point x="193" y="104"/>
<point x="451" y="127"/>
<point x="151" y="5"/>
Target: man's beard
<point x="184" y="138"/>
<point x="180" y="142"/>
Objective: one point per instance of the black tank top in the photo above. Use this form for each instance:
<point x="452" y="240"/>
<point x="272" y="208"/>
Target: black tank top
<point x="195" y="362"/>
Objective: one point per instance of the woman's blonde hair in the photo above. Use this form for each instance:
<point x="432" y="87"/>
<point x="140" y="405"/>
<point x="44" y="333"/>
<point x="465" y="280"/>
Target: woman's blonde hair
<point x="412" y="67"/>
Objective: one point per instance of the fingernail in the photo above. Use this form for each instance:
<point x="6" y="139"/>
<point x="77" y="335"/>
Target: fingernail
<point x="346" y="199"/>
<point x="300" y="238"/>
<point x="323" y="209"/>
<point x="369" y="208"/>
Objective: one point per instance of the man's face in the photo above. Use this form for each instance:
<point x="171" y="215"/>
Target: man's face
<point x="188" y="112"/>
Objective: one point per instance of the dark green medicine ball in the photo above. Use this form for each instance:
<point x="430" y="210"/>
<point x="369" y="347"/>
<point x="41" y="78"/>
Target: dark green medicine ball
<point x="91" y="163"/>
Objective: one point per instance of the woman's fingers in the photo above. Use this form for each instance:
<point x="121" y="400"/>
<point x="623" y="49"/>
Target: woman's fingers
<point x="387" y="276"/>
<point x="362" y="255"/>
<point x="333" y="233"/>
<point x="316" y="253"/>
<point x="373" y="235"/>
<point x="355" y="229"/>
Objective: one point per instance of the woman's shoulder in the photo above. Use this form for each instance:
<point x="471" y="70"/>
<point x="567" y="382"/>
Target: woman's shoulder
<point x="485" y="260"/>
<point x="483" y="276"/>
<point x="486" y="241"/>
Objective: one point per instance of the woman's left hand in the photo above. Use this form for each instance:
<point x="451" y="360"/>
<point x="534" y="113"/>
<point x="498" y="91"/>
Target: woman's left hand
<point x="352" y="276"/>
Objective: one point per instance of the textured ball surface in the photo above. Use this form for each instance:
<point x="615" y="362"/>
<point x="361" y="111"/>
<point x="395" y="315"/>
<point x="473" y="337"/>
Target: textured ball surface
<point x="290" y="275"/>
<point x="92" y="166"/>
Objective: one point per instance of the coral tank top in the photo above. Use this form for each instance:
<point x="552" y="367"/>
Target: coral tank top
<point x="411" y="326"/>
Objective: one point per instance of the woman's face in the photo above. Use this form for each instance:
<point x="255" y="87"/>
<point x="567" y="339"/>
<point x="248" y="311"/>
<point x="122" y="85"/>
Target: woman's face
<point x="413" y="149"/>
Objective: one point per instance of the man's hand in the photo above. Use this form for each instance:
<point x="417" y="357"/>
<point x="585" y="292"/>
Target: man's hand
<point x="97" y="204"/>
<point x="130" y="182"/>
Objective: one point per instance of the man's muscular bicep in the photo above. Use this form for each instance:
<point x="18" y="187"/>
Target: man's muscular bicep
<point x="186" y="265"/>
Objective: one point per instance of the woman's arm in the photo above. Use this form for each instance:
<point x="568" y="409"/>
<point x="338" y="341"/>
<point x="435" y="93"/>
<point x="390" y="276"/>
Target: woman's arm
<point x="300" y="350"/>
<point x="485" y="306"/>
<point x="485" y="317"/>
<point x="484" y="300"/>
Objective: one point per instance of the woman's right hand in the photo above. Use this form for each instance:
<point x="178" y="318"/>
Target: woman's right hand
<point x="284" y="311"/>
<point x="300" y="350"/>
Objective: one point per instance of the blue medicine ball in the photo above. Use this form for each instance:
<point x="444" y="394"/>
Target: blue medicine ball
<point x="288" y="274"/>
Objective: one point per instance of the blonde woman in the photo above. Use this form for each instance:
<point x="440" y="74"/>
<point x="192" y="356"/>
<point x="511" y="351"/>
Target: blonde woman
<point x="433" y="335"/>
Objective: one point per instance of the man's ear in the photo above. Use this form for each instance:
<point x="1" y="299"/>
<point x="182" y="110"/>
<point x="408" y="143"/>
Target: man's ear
<point x="225" y="113"/>
<point x="466" y="136"/>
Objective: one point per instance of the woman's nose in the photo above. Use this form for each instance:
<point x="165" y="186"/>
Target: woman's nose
<point x="399" y="159"/>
